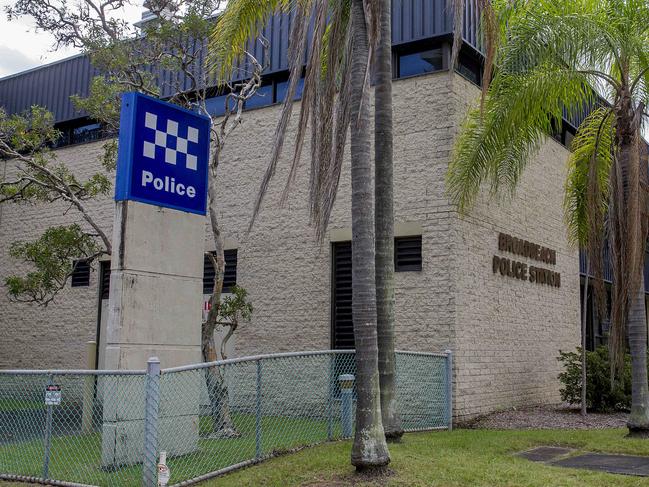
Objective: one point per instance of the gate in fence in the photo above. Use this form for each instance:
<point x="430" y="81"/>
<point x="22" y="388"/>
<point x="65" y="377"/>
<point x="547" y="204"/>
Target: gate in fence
<point x="98" y="427"/>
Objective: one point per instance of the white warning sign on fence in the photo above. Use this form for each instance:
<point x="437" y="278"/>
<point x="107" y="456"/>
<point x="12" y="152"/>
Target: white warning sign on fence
<point x="52" y="395"/>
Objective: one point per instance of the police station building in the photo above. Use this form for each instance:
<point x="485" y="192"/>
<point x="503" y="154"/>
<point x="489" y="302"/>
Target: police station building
<point x="499" y="287"/>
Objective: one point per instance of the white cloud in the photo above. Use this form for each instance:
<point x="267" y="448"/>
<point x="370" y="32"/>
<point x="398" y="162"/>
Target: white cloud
<point x="12" y="61"/>
<point x="22" y="47"/>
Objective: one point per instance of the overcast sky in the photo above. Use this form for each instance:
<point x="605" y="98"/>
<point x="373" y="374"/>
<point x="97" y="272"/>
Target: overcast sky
<point x="21" y="47"/>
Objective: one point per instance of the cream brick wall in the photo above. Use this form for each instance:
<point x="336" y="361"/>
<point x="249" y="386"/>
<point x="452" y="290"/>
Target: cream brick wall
<point x="288" y="274"/>
<point x="505" y="348"/>
<point x="54" y="336"/>
<point x="509" y="331"/>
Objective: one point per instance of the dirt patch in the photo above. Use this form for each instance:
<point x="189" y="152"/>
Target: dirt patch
<point x="547" y="417"/>
<point x="371" y="478"/>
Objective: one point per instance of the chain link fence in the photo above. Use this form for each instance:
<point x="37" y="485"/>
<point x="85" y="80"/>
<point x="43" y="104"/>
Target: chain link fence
<point x="107" y="428"/>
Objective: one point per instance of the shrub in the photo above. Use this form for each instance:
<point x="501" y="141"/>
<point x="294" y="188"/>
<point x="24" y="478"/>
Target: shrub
<point x="600" y="396"/>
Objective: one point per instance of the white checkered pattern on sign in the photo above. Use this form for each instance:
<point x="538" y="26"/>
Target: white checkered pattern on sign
<point x="161" y="138"/>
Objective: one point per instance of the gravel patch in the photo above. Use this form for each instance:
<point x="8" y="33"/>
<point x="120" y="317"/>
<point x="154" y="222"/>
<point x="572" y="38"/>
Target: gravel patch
<point x="546" y="417"/>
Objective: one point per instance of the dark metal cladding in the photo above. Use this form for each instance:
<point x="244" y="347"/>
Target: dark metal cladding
<point x="414" y="20"/>
<point x="52" y="85"/>
<point x="608" y="266"/>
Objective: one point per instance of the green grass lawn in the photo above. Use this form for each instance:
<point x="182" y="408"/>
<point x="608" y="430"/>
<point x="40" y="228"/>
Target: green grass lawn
<point x="19" y="404"/>
<point x="461" y="458"/>
<point x="77" y="458"/>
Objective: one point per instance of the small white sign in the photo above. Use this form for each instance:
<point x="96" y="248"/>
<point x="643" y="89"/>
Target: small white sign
<point x="52" y="395"/>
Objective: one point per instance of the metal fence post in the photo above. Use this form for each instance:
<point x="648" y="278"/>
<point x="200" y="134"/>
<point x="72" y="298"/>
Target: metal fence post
<point x="89" y="389"/>
<point x="330" y="405"/>
<point x="346" y="395"/>
<point x="48" y="435"/>
<point x="258" y="449"/>
<point x="449" y="389"/>
<point x="152" y="405"/>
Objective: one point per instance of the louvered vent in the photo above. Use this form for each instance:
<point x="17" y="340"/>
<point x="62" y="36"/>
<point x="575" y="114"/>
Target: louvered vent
<point x="230" y="277"/>
<point x="341" y="312"/>
<point x="407" y="253"/>
<point x="104" y="291"/>
<point x="80" y="273"/>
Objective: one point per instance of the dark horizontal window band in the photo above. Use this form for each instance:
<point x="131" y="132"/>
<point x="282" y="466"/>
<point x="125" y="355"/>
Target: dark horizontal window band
<point x="80" y="274"/>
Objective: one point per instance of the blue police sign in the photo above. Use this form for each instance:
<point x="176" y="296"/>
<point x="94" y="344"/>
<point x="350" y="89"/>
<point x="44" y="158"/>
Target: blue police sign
<point x="163" y="154"/>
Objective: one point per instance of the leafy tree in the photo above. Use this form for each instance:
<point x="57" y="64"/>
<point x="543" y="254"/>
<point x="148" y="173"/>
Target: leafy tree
<point x="338" y="62"/>
<point x="37" y="177"/>
<point x="165" y="58"/>
<point x="551" y="56"/>
<point x="601" y="395"/>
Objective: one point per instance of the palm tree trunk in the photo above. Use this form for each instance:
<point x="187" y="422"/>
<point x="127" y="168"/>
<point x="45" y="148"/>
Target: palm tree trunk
<point x="638" y="423"/>
<point x="369" y="449"/>
<point x="384" y="219"/>
<point x="633" y="235"/>
<point x="584" y="311"/>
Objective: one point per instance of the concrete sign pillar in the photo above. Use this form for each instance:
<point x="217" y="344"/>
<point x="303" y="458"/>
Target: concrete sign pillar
<point x="156" y="287"/>
<point x="156" y="273"/>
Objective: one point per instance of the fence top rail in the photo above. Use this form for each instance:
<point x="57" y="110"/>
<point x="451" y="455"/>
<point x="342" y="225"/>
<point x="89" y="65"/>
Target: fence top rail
<point x="254" y="358"/>
<point x="271" y="356"/>
<point x="204" y="365"/>
<point x="70" y="372"/>
<point x="443" y="354"/>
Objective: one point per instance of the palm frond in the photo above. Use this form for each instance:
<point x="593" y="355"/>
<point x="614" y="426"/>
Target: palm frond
<point x="519" y="112"/>
<point x="325" y="73"/>
<point x="592" y="148"/>
<point x="240" y="23"/>
<point x="588" y="192"/>
<point x="298" y="38"/>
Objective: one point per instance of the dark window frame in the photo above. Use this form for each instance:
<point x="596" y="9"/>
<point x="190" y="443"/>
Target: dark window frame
<point x="70" y="134"/>
<point x="418" y="47"/>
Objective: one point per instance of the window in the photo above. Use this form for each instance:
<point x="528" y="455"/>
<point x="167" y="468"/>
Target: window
<point x="407" y="253"/>
<point x="564" y="134"/>
<point x="215" y="106"/>
<point x="86" y="133"/>
<point x="420" y="62"/>
<point x="470" y="69"/>
<point x="80" y="273"/>
<point x="282" y="88"/>
<point x="262" y="98"/>
<point x="79" y="131"/>
<point x="230" y="277"/>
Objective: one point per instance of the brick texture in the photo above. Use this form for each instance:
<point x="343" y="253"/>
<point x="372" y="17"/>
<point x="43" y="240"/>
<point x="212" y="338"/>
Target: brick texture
<point x="505" y="333"/>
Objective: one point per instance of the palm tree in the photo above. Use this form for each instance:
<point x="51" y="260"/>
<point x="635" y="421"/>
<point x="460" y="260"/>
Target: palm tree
<point x="338" y="62"/>
<point x="550" y="56"/>
<point x="384" y="218"/>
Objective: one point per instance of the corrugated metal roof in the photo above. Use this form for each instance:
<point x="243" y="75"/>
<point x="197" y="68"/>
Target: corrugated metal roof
<point x="53" y="85"/>
<point x="50" y="86"/>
